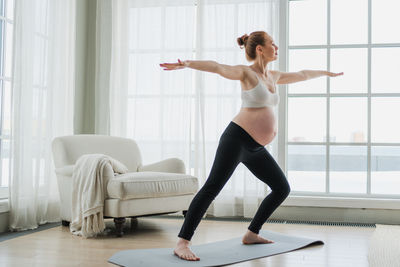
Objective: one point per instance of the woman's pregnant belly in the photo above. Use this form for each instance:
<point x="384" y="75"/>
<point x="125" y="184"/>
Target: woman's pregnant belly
<point x="260" y="123"/>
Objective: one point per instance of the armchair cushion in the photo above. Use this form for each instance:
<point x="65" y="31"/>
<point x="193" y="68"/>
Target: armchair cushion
<point x="151" y="184"/>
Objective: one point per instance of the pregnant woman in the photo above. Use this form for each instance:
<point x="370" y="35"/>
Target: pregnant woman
<point x="246" y="136"/>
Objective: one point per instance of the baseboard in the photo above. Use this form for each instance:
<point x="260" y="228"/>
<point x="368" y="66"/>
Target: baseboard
<point x="324" y="214"/>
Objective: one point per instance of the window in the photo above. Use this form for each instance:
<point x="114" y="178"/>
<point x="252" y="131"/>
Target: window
<point x="343" y="135"/>
<point x="209" y="32"/>
<point x="6" y="39"/>
<point x="154" y="39"/>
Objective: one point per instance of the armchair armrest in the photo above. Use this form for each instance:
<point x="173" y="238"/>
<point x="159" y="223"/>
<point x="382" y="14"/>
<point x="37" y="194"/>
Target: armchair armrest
<point x="66" y="170"/>
<point x="173" y="165"/>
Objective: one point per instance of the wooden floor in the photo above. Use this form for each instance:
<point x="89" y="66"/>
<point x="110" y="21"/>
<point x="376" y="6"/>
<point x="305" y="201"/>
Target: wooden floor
<point x="344" y="246"/>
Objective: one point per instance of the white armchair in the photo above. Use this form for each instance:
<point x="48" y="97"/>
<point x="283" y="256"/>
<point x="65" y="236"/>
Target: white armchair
<point x="154" y="189"/>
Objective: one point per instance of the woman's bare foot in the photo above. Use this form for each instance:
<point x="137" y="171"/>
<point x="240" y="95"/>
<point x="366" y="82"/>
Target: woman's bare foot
<point x="253" y="238"/>
<point x="183" y="251"/>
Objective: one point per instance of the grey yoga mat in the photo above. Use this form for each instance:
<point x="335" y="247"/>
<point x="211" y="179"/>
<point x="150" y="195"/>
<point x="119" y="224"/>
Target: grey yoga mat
<point x="213" y="254"/>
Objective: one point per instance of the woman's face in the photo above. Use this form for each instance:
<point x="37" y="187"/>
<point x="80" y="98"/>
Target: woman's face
<point x="269" y="50"/>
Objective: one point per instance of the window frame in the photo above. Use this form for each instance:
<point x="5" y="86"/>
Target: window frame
<point x="325" y="199"/>
<point x="4" y="190"/>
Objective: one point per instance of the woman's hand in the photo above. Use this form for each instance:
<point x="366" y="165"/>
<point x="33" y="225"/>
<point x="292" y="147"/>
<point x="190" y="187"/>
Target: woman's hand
<point x="174" y="66"/>
<point x="331" y="74"/>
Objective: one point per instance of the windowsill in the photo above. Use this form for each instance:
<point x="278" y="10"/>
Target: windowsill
<point x="4" y="205"/>
<point x="342" y="202"/>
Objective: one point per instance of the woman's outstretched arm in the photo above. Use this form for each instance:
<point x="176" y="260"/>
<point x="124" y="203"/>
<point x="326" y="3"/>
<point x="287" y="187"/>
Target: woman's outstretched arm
<point x="226" y="71"/>
<point x="310" y="74"/>
<point x="303" y="75"/>
<point x="204" y="65"/>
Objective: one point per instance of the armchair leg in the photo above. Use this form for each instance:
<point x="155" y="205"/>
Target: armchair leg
<point x="65" y="223"/>
<point x="119" y="223"/>
<point x="134" y="222"/>
<point x="184" y="213"/>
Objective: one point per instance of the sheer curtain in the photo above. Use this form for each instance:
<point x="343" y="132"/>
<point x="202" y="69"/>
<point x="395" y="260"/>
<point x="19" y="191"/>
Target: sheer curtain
<point x="182" y="113"/>
<point x="43" y="92"/>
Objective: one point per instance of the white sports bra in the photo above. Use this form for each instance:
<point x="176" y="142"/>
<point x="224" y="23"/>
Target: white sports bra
<point x="259" y="96"/>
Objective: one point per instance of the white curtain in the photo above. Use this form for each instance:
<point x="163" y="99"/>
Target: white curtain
<point x="181" y="113"/>
<point x="43" y="93"/>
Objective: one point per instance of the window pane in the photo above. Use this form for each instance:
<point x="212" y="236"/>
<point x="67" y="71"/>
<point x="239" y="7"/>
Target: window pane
<point x="354" y="63"/>
<point x="6" y="127"/>
<point x="133" y="74"/>
<point x="145" y="37"/>
<point x="193" y="125"/>
<point x="1" y="47"/>
<point x="45" y="63"/>
<point x="385" y="127"/>
<point x="10" y="9"/>
<point x="130" y="123"/>
<point x="172" y="149"/>
<point x="349" y="21"/>
<point x="218" y="22"/>
<point x="39" y="60"/>
<point x="173" y="82"/>
<point x="257" y="20"/>
<point x="385" y="69"/>
<point x="348" y="122"/>
<point x="144" y="114"/>
<point x="217" y="110"/>
<point x="307" y="168"/>
<point x="179" y="35"/>
<point x="149" y="150"/>
<point x="307" y="22"/>
<point x="36" y="107"/>
<point x="306" y="119"/>
<point x="348" y="169"/>
<point x="142" y="63"/>
<point x="385" y="20"/>
<point x="5" y="160"/>
<point x="2" y="88"/>
<point x="313" y="59"/>
<point x="8" y="50"/>
<point x="385" y="170"/>
<point x="2" y="7"/>
<point x="41" y="16"/>
<point x="175" y="129"/>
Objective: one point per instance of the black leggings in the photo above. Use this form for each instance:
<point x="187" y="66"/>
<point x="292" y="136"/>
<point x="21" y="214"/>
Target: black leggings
<point x="235" y="146"/>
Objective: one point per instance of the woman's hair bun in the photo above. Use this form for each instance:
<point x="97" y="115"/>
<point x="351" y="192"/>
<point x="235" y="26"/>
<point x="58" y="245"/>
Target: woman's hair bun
<point x="242" y="40"/>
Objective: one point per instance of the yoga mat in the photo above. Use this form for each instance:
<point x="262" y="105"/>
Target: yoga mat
<point x="213" y="254"/>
